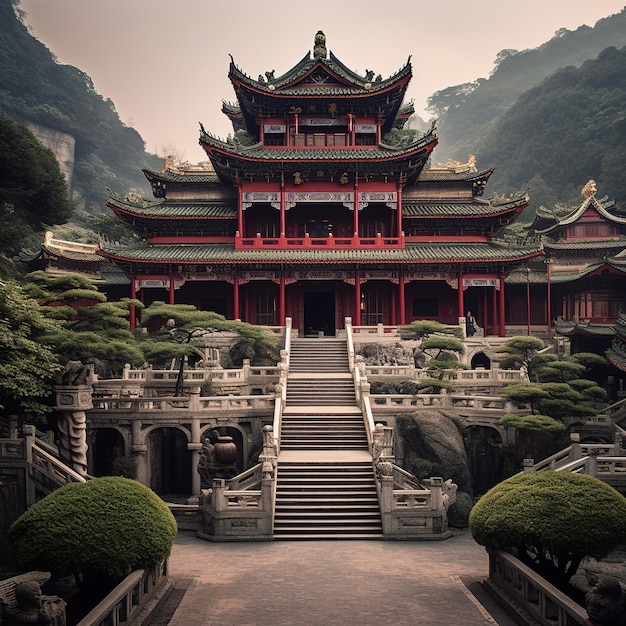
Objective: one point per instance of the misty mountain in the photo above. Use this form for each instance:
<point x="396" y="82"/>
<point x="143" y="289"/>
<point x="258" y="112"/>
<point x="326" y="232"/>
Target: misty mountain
<point x="59" y="103"/>
<point x="467" y="112"/>
<point x="548" y="119"/>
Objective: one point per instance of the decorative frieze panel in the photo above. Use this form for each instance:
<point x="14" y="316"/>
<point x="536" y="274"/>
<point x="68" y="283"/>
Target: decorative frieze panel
<point x="318" y="275"/>
<point x="390" y="198"/>
<point x="481" y="282"/>
<point x="248" y="198"/>
<point x="147" y="283"/>
<point x="345" y="197"/>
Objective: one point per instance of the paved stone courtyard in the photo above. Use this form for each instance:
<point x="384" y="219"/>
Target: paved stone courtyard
<point x="315" y="583"/>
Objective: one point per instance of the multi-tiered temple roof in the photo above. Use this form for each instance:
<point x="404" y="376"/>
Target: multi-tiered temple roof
<point x="321" y="184"/>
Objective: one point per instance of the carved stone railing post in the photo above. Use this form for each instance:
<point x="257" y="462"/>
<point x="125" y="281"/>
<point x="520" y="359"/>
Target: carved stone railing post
<point x="576" y="452"/>
<point x="217" y="495"/>
<point x="436" y="493"/>
<point x="72" y="399"/>
<point x="527" y="465"/>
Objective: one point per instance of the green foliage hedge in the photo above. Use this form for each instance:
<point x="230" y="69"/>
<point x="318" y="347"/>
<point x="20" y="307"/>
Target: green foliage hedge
<point x="552" y="519"/>
<point x="106" y="526"/>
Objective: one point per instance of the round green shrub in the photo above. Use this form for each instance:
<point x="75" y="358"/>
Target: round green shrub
<point x="552" y="520"/>
<point x="107" y="526"/>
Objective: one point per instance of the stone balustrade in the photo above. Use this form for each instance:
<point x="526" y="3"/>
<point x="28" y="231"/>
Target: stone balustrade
<point x="524" y="589"/>
<point x="195" y="403"/>
<point x="124" y="605"/>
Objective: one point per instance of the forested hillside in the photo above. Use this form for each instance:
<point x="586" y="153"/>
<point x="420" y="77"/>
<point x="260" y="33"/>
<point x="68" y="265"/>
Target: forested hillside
<point x="466" y="112"/>
<point x="544" y="122"/>
<point x="567" y="130"/>
<point x="35" y="88"/>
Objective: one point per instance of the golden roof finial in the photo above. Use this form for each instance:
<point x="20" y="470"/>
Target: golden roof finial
<point x="589" y="190"/>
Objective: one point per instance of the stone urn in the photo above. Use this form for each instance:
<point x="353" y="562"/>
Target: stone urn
<point x="225" y="450"/>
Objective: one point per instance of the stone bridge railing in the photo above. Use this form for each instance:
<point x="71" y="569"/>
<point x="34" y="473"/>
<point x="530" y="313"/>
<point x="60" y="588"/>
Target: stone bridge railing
<point x="125" y="604"/>
<point x="605" y="461"/>
<point x="520" y="586"/>
<point x="184" y="404"/>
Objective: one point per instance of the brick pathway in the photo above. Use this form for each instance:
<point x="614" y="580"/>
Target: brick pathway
<point x="315" y="583"/>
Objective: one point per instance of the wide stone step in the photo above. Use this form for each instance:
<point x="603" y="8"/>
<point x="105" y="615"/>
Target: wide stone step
<point x="341" y="445"/>
<point x="305" y="531"/>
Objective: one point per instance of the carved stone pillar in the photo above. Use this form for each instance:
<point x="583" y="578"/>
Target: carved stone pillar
<point x="71" y="402"/>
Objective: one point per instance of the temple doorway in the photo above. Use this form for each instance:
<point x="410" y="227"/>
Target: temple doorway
<point x="106" y="445"/>
<point x="169" y="461"/>
<point x="319" y="313"/>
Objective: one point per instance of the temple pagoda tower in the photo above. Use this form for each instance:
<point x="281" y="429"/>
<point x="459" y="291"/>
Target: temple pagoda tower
<point x="319" y="207"/>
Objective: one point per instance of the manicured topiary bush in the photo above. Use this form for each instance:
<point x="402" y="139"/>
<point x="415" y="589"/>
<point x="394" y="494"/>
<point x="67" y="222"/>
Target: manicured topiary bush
<point x="551" y="520"/>
<point x="105" y="527"/>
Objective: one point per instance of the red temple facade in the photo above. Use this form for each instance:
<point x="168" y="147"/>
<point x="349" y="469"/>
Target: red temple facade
<point x="319" y="207"/>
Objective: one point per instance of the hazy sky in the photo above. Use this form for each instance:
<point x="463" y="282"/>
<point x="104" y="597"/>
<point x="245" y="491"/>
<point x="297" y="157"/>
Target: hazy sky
<point x="164" y="63"/>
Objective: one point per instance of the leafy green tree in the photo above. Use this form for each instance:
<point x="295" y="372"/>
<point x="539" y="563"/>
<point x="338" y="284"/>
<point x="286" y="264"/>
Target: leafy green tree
<point x="525" y="393"/>
<point x="178" y="331"/>
<point x="105" y="527"/>
<point x="33" y="191"/>
<point x="551" y="520"/>
<point x="442" y="344"/>
<point x="91" y="329"/>
<point x="529" y="427"/>
<point x="519" y="352"/>
<point x="28" y="365"/>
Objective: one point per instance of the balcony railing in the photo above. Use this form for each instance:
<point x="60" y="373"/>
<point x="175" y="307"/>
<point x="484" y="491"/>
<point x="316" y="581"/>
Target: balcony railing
<point x="307" y="242"/>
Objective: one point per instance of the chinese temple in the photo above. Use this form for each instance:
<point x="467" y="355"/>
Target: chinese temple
<point x="585" y="269"/>
<point x="321" y="205"/>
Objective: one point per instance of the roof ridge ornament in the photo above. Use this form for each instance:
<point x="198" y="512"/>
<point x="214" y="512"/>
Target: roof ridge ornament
<point x="589" y="190"/>
<point x="319" y="46"/>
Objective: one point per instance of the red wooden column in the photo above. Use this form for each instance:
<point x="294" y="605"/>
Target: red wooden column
<point x="133" y="295"/>
<point x="401" y="297"/>
<point x="240" y="224"/>
<point x="171" y="290"/>
<point x="461" y="304"/>
<point x="399" y="211"/>
<point x="502" y="328"/>
<point x="281" y="299"/>
<point x="494" y="309"/>
<point x="549" y="305"/>
<point x="356" y="212"/>
<point x="357" y="297"/>
<point x="236" y="296"/>
<point x="283" y="227"/>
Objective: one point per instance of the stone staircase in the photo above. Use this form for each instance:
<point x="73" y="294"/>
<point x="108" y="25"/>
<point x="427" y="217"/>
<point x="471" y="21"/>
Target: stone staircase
<point x="325" y="482"/>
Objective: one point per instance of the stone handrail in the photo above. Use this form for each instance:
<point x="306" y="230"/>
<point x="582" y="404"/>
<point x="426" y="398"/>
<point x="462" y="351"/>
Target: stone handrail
<point x="216" y="375"/>
<point x="126" y="602"/>
<point x="478" y="376"/>
<point x="281" y="387"/>
<point x="52" y="468"/>
<point x="361" y="386"/>
<point x="617" y="410"/>
<point x="195" y="403"/>
<point x="519" y="585"/>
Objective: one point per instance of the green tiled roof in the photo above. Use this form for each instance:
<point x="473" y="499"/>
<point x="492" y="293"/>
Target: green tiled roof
<point x="586" y="244"/>
<point x="415" y="253"/>
<point x="454" y="210"/>
<point x="179" y="210"/>
<point x="439" y="176"/>
<point x="356" y="83"/>
<point x="354" y="153"/>
<point x="570" y="327"/>
<point x="616" y="264"/>
<point x="189" y="177"/>
<point x="605" y="207"/>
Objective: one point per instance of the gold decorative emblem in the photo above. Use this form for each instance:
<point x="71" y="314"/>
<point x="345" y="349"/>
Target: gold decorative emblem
<point x="589" y="190"/>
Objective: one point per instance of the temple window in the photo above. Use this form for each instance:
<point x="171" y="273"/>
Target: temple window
<point x="266" y="306"/>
